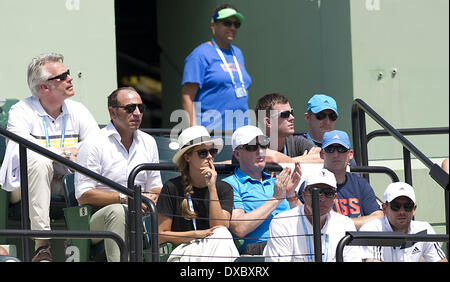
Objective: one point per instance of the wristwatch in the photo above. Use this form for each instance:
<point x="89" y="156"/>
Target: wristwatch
<point x="67" y="154"/>
<point x="122" y="198"/>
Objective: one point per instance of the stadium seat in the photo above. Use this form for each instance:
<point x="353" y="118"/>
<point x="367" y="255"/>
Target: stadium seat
<point x="164" y="249"/>
<point x="4" y="113"/>
<point x="4" y="203"/>
<point x="4" y="258"/>
<point x="78" y="218"/>
<point x="165" y="156"/>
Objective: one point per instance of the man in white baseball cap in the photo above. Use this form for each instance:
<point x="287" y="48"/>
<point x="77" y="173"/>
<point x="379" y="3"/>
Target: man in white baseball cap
<point x="288" y="234"/>
<point x="257" y="195"/>
<point x="399" y="208"/>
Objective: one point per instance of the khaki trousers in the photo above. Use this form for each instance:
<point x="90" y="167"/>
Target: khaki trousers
<point x="110" y="218"/>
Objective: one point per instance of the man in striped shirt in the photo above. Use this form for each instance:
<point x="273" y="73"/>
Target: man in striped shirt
<point x="51" y="120"/>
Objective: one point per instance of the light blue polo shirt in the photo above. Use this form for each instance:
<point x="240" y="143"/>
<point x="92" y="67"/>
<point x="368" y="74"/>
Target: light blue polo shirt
<point x="249" y="194"/>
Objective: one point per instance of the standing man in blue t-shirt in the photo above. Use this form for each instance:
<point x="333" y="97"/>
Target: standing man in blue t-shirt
<point x="215" y="82"/>
<point x="355" y="196"/>
<point x="258" y="197"/>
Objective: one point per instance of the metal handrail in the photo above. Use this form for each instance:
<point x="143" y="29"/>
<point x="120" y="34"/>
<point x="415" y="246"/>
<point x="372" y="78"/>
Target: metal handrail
<point x="229" y="168"/>
<point x="26" y="144"/>
<point x="376" y="238"/>
<point x="376" y="169"/>
<point x="359" y="108"/>
<point x="69" y="234"/>
<point x="168" y="131"/>
<point x="360" y="139"/>
<point x="409" y="131"/>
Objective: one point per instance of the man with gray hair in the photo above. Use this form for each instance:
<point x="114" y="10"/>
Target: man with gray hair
<point x="49" y="119"/>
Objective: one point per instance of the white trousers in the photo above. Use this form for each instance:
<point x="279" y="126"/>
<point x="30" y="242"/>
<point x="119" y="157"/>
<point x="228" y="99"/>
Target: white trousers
<point x="41" y="183"/>
<point x="219" y="247"/>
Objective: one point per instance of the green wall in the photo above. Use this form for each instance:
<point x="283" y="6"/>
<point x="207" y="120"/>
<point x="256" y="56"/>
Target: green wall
<point x="83" y="31"/>
<point x="297" y="48"/>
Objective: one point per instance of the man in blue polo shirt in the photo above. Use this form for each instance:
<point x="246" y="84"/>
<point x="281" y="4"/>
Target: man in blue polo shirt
<point x="258" y="197"/>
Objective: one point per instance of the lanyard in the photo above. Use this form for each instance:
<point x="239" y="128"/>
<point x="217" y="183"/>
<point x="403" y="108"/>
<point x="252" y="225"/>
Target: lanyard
<point x="312" y="140"/>
<point x="222" y="57"/>
<point x="63" y="131"/>
<point x="308" y="242"/>
<point x="191" y="207"/>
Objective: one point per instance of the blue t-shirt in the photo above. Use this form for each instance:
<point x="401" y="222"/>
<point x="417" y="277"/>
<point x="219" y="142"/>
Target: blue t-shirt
<point x="250" y="194"/>
<point x="216" y="92"/>
<point x="355" y="197"/>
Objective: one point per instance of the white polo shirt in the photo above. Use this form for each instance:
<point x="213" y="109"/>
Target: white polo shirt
<point x="287" y="240"/>
<point x="106" y="155"/>
<point x="28" y="119"/>
<point x="412" y="252"/>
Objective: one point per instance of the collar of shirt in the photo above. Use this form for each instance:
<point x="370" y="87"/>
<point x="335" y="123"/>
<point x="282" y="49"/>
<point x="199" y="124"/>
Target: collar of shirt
<point x="243" y="177"/>
<point x="41" y="111"/>
<point x="387" y="226"/>
<point x="309" y="224"/>
<point x="318" y="144"/>
<point x="112" y="131"/>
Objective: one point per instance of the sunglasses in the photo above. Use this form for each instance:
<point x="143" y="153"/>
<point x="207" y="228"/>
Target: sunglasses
<point x="395" y="206"/>
<point x="321" y="115"/>
<point x="203" y="153"/>
<point x="340" y="149"/>
<point x="228" y="23"/>
<point x="327" y="192"/>
<point x="284" y="114"/>
<point x="130" y="108"/>
<point x="61" y="77"/>
<point x="253" y="148"/>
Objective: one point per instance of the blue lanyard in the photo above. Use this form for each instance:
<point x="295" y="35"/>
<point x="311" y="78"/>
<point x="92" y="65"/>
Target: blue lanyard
<point x="191" y="207"/>
<point x="308" y="242"/>
<point x="222" y="57"/>
<point x="63" y="131"/>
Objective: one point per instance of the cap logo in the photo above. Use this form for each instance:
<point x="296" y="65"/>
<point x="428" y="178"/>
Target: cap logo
<point x="336" y="136"/>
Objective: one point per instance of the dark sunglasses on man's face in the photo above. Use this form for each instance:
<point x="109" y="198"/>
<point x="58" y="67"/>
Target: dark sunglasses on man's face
<point x="321" y="115"/>
<point x="228" y="23"/>
<point x="61" y="77"/>
<point x="203" y="153"/>
<point x="327" y="192"/>
<point x="253" y="148"/>
<point x="395" y="206"/>
<point x="340" y="149"/>
<point x="132" y="107"/>
<point x="284" y="114"/>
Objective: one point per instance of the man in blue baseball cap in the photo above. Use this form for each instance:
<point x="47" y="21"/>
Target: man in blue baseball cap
<point x="321" y="114"/>
<point x="355" y="196"/>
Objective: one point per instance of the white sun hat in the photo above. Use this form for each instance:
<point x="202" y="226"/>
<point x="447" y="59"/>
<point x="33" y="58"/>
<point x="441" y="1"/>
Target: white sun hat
<point x="194" y="136"/>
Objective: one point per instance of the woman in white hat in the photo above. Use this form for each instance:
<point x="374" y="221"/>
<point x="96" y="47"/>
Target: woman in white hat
<point x="194" y="209"/>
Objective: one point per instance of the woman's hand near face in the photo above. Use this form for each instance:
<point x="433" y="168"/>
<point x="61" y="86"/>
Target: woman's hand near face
<point x="209" y="173"/>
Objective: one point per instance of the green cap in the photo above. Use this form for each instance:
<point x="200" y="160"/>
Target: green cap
<point x="226" y="13"/>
